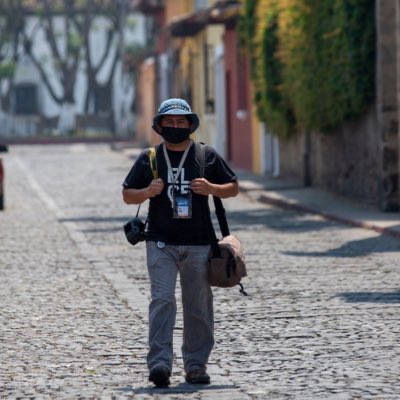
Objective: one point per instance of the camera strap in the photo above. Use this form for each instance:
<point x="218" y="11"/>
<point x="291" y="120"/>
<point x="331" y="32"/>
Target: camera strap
<point x="154" y="171"/>
<point x="153" y="162"/>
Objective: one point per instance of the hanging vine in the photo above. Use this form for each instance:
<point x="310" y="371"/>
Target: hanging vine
<point x="312" y="62"/>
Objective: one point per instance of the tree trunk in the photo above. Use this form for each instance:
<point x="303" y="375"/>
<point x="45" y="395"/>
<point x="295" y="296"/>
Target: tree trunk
<point x="66" y="121"/>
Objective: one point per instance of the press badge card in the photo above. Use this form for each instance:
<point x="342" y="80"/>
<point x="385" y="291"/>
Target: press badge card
<point x="183" y="205"/>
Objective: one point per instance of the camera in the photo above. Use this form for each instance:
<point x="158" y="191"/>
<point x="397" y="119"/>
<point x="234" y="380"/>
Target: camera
<point x="135" y="231"/>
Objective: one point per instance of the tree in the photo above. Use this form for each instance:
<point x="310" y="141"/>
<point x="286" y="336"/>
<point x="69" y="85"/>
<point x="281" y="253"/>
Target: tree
<point x="11" y="25"/>
<point x="84" y="24"/>
<point x="65" y="59"/>
<point x="72" y="46"/>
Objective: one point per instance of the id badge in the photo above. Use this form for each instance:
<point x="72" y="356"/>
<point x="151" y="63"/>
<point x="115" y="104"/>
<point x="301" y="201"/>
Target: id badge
<point x="183" y="205"/>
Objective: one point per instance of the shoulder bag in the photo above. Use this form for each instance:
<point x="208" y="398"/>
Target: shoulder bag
<point x="226" y="264"/>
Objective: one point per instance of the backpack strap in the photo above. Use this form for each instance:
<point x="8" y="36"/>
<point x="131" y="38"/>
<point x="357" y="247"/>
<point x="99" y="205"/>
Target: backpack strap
<point x="154" y="170"/>
<point x="219" y="207"/>
<point x="202" y="157"/>
<point x="221" y="216"/>
<point x="153" y="162"/>
<point x="200" y="149"/>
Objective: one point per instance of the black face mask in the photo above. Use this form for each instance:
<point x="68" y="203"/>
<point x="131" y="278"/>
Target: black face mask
<point x="174" y="135"/>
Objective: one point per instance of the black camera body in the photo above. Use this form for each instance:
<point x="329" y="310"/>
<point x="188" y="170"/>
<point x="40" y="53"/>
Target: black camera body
<point x="135" y="231"/>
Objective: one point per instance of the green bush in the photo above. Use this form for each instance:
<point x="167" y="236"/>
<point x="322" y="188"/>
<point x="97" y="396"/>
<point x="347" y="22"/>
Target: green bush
<point x="7" y="69"/>
<point x="313" y="62"/>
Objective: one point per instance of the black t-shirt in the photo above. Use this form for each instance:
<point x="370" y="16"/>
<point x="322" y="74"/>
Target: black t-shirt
<point x="162" y="226"/>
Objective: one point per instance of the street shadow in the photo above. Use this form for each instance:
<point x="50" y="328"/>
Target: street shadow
<point x="96" y="219"/>
<point x="371" y="297"/>
<point x="103" y="230"/>
<point x="279" y="220"/>
<point x="275" y="219"/>
<point x="281" y="187"/>
<point x="181" y="388"/>
<point x="116" y="223"/>
<point x="355" y="248"/>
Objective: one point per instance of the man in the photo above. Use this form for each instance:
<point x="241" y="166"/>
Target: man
<point x="178" y="239"/>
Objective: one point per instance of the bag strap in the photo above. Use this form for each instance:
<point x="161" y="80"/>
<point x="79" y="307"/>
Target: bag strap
<point x="154" y="170"/>
<point x="153" y="162"/>
<point x="201" y="156"/>
<point x="219" y="207"/>
<point x="219" y="211"/>
<point x="221" y="216"/>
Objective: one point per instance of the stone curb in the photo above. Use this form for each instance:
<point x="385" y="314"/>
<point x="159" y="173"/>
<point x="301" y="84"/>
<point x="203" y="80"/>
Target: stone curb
<point x="284" y="203"/>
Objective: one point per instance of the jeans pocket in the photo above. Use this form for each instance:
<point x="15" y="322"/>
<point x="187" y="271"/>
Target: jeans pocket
<point x="152" y="253"/>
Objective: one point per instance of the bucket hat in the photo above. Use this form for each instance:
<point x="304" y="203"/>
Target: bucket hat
<point x="176" y="107"/>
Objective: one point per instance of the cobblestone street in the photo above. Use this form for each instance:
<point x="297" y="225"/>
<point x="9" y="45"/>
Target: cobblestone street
<point x="322" y="319"/>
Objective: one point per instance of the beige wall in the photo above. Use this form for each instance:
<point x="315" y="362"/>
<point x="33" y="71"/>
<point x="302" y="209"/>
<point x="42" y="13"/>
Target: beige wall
<point x="176" y="8"/>
<point x="211" y="36"/>
<point x="346" y="162"/>
<point x="146" y="104"/>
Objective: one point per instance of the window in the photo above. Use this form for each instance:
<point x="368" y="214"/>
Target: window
<point x="102" y="99"/>
<point x="26" y="99"/>
<point x="200" y="4"/>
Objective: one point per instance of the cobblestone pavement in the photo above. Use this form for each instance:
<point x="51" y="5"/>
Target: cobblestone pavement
<point x="321" y="320"/>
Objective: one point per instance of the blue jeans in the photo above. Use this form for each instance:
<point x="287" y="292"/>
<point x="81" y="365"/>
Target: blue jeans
<point x="198" y="318"/>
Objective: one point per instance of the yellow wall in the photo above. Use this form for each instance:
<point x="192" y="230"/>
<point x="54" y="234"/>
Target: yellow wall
<point x="177" y="8"/>
<point x="189" y="71"/>
<point x="192" y="70"/>
<point x="255" y="135"/>
<point x="213" y="37"/>
<point x="146" y="107"/>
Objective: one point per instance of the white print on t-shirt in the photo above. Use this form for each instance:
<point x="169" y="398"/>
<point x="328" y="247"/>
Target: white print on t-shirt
<point x="182" y="186"/>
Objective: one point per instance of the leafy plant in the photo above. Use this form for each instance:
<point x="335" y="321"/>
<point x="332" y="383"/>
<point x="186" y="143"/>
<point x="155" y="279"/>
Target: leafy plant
<point x="7" y="69"/>
<point x="312" y="61"/>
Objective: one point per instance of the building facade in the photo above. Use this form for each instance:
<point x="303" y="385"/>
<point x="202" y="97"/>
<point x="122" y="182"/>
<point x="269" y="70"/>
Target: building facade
<point x="198" y="57"/>
<point x="38" y="105"/>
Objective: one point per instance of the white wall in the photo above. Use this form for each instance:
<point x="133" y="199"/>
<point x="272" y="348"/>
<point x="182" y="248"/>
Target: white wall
<point x="219" y="142"/>
<point x="269" y="152"/>
<point x="123" y="89"/>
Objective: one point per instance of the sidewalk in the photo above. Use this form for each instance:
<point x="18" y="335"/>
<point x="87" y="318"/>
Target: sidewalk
<point x="293" y="195"/>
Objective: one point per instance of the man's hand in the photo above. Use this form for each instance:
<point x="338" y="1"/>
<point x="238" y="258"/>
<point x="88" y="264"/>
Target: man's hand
<point x="201" y="186"/>
<point x="204" y="187"/>
<point x="155" y="188"/>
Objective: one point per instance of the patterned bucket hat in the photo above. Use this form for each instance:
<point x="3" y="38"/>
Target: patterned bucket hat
<point x="176" y="107"/>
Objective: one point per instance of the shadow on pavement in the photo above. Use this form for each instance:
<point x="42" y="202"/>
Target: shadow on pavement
<point x="355" y="248"/>
<point x="103" y="230"/>
<point x="96" y="219"/>
<point x="279" y="220"/>
<point x="370" y="297"/>
<point x="182" y="388"/>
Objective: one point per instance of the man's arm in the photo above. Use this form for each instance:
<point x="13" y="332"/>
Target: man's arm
<point x="204" y="187"/>
<point x="138" y="196"/>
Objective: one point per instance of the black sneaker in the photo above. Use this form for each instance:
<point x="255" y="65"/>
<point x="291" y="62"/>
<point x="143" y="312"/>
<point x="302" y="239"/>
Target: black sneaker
<point x="198" y="376"/>
<point x="160" y="376"/>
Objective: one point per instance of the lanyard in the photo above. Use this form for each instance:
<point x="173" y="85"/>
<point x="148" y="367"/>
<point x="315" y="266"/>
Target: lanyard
<point x="178" y="172"/>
